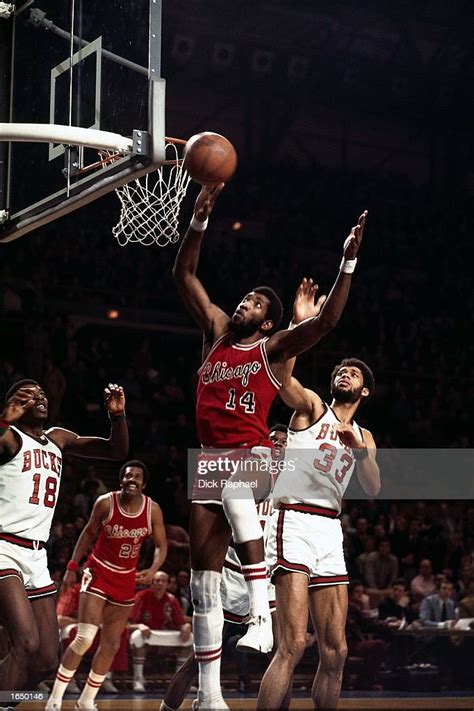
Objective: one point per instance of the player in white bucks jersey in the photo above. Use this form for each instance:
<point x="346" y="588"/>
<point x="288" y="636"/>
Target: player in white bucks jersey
<point x="30" y="476"/>
<point x="304" y="547"/>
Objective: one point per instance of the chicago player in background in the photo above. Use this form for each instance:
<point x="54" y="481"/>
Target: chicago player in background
<point x="305" y="546"/>
<point x="244" y="360"/>
<point x="120" y="521"/>
<point x="30" y="475"/>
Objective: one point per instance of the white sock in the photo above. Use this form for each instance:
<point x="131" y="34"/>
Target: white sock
<point x="209" y="663"/>
<point x="256" y="578"/>
<point x="138" y="670"/>
<point x="63" y="677"/>
<point x="89" y="692"/>
<point x="208" y="619"/>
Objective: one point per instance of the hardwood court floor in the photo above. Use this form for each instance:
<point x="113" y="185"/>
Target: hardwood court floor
<point x="378" y="704"/>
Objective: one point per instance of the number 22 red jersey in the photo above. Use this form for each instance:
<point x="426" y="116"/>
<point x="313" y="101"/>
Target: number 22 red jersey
<point x="235" y="390"/>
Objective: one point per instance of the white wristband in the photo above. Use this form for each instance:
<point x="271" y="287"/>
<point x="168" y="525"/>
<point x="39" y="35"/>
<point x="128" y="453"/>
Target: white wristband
<point x="198" y="225"/>
<point x="348" y="265"/>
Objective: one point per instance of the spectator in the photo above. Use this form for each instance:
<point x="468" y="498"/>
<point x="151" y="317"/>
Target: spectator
<point x="358" y="631"/>
<point x="397" y="604"/>
<point x="424" y="583"/>
<point x="382" y="567"/>
<point x="361" y="560"/>
<point x="358" y="596"/>
<point x="439" y="607"/>
<point x="157" y="619"/>
<point x="358" y="538"/>
<point x="178" y="548"/>
<point x="184" y="592"/>
<point x="91" y="475"/>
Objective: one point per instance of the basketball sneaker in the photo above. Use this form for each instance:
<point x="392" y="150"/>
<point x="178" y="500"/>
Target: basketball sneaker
<point x="108" y="687"/>
<point x="139" y="686"/>
<point x="80" y="707"/>
<point x="259" y="636"/>
<point x="50" y="706"/>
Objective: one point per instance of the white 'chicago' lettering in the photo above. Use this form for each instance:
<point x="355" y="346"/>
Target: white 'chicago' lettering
<point x="117" y="531"/>
<point x="222" y="371"/>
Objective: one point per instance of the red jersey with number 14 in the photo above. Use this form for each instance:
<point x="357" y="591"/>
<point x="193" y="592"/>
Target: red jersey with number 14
<point x="121" y="535"/>
<point x="235" y="390"/>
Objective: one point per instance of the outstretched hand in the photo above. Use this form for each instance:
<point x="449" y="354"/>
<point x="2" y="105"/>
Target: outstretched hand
<point x="347" y="435"/>
<point x="18" y="404"/>
<point x="206" y="200"/>
<point x="114" y="399"/>
<point x="353" y="242"/>
<point x="304" y="305"/>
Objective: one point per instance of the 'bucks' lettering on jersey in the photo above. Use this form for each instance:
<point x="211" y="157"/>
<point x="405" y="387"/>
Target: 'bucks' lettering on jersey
<point x="29" y="487"/>
<point x="321" y="465"/>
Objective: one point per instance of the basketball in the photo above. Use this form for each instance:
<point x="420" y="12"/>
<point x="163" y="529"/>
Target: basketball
<point x="210" y="158"/>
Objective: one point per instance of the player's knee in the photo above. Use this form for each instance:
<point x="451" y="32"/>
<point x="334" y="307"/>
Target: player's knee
<point x="110" y="646"/>
<point x="293" y="645"/>
<point x="25" y="645"/>
<point x="242" y="516"/>
<point x="333" y="656"/>
<point x="205" y="590"/>
<point x="84" y="638"/>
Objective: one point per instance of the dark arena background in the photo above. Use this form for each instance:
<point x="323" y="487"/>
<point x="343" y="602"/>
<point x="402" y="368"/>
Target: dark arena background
<point x="333" y="107"/>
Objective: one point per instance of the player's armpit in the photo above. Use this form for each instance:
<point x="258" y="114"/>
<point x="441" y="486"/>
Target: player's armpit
<point x="10" y="445"/>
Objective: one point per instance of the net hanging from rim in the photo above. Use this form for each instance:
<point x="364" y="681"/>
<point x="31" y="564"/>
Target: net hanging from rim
<point x="150" y="205"/>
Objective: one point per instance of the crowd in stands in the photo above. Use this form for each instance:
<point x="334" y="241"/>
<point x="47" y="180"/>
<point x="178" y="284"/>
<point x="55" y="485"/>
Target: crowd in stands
<point x="409" y="316"/>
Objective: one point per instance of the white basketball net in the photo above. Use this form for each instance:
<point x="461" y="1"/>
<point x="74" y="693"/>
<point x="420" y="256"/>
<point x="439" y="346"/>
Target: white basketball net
<point x="150" y="205"/>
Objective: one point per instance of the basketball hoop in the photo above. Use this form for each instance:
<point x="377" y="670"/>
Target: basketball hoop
<point x="150" y="205"/>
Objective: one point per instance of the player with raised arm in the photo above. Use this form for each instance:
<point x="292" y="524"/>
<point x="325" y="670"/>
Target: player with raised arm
<point x="30" y="476"/>
<point x="244" y="360"/>
<point x="120" y="521"/>
<point x="304" y="546"/>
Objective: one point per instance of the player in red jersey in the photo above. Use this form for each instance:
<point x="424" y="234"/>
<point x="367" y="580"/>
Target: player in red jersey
<point x="30" y="475"/>
<point x="244" y="360"/>
<point x="121" y="520"/>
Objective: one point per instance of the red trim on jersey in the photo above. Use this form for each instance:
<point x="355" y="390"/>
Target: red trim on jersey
<point x="263" y="349"/>
<point x="233" y="618"/>
<point x="116" y="495"/>
<point x="111" y="508"/>
<point x="232" y="566"/>
<point x="23" y="542"/>
<point x="314" y="581"/>
<point x="45" y="590"/>
<point x="247" y="346"/>
<point x="281" y="560"/>
<point x="310" y="509"/>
